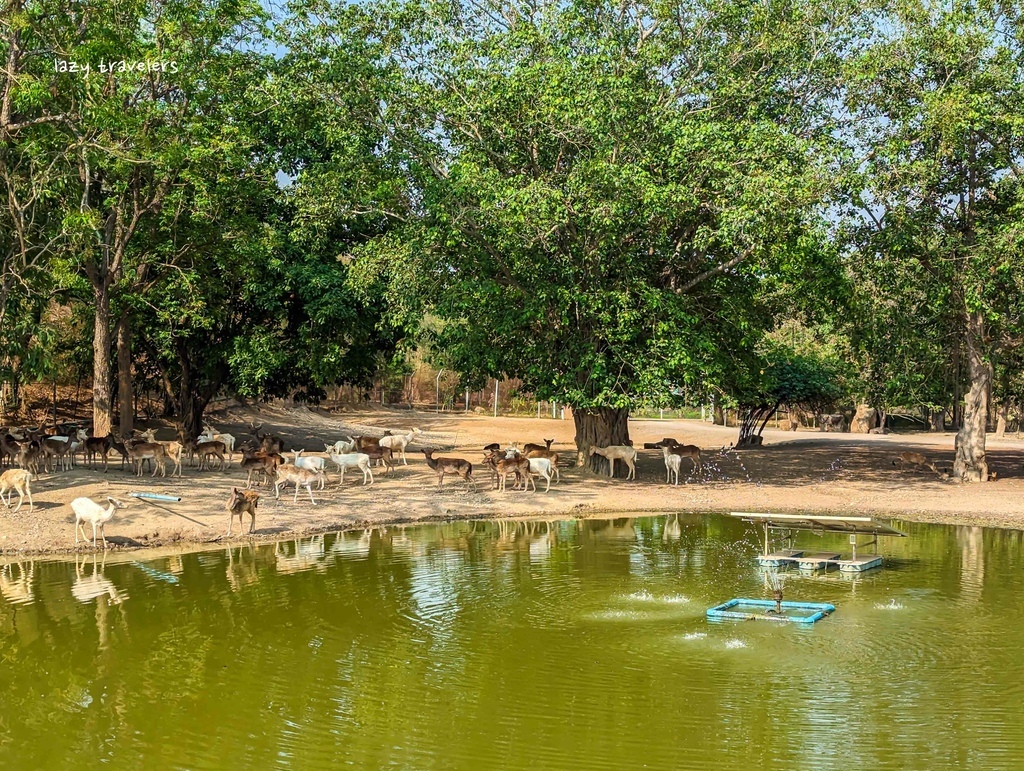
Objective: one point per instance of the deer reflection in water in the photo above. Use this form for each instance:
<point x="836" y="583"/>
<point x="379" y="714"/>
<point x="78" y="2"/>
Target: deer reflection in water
<point x="16" y="583"/>
<point x="241" y="572"/>
<point x="672" y="531"/>
<point x="88" y="587"/>
<point x="305" y="555"/>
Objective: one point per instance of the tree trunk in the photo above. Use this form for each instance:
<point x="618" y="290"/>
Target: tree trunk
<point x="753" y="424"/>
<point x="601" y="427"/>
<point x="125" y="391"/>
<point x="102" y="409"/>
<point x="970" y="464"/>
<point x="937" y="420"/>
<point x="1001" y="420"/>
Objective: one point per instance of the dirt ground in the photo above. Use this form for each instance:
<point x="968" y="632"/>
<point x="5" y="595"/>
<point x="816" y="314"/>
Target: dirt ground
<point x="792" y="472"/>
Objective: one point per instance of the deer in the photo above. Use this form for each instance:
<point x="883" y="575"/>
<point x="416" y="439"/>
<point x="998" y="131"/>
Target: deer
<point x="97" y="445"/>
<point x="915" y="459"/>
<point x="341" y="446"/>
<point x="311" y="463"/>
<point x="87" y="510"/>
<point x="550" y="455"/>
<point x="672" y="464"/>
<point x="140" y="452"/>
<point x="28" y="456"/>
<point x="300" y="477"/>
<point x="259" y="462"/>
<point x="173" y="450"/>
<point x="382" y="455"/>
<point x="269" y="444"/>
<point x="55" y="453"/>
<point x="672" y="447"/>
<point x="10" y="446"/>
<point x="241" y="503"/>
<point x="537" y="467"/>
<point x="457" y="466"/>
<point x="398" y="443"/>
<point x="503" y="465"/>
<point x="359" y="460"/>
<point x="210" y="434"/>
<point x="206" y="450"/>
<point x="623" y="452"/>
<point x="531" y="447"/>
<point x="20" y="481"/>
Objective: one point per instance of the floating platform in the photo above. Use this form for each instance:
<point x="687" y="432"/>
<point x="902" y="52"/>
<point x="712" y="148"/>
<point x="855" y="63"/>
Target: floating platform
<point x="821" y="561"/>
<point x="817" y="560"/>
<point x="852" y="526"/>
<point x="778" y="558"/>
<point x="744" y="609"/>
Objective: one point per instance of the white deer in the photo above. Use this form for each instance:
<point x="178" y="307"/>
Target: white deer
<point x="398" y="442"/>
<point x="87" y="510"/>
<point x="615" y="452"/>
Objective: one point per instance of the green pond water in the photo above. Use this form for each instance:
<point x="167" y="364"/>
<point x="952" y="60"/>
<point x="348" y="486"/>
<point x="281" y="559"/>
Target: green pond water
<point x="574" y="645"/>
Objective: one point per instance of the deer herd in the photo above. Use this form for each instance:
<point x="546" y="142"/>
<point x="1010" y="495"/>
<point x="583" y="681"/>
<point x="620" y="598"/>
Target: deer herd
<point x="265" y="460"/>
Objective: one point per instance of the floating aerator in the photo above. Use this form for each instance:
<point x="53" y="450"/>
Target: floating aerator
<point x="766" y="610"/>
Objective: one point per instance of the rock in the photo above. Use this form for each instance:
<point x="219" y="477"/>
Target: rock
<point x="864" y="420"/>
<point x="880" y="430"/>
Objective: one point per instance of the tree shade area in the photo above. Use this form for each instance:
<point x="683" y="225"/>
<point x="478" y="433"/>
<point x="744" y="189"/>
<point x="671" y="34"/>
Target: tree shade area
<point x="813" y="205"/>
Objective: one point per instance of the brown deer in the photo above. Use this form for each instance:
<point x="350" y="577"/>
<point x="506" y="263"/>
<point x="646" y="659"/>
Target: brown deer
<point x="97" y="445"/>
<point x="269" y="444"/>
<point x="140" y="452"/>
<point x="260" y="463"/>
<point x="241" y="503"/>
<point x="207" y="450"/>
<point x="905" y="459"/>
<point x="383" y="454"/>
<point x="531" y="447"/>
<point x="457" y="466"/>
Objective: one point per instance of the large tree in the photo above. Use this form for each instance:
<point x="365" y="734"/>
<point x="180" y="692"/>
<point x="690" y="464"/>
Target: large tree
<point x="936" y="138"/>
<point x="607" y="192"/>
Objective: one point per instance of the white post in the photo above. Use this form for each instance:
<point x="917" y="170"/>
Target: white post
<point x="538" y="410"/>
<point x="661" y="410"/>
<point x="554" y="410"/>
<point x="467" y="398"/>
<point x="437" y="391"/>
<point x="495" y="397"/>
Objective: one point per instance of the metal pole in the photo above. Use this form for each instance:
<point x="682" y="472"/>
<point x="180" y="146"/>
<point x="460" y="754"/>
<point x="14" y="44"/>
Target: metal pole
<point x="467" y="398"/>
<point x="437" y="390"/>
<point x="495" y="397"/>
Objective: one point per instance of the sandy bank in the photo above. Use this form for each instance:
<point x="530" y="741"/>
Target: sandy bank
<point x="793" y="472"/>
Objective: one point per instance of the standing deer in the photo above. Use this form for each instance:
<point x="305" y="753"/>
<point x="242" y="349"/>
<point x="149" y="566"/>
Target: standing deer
<point x="623" y="452"/>
<point x="242" y="502"/>
<point x="457" y="466"/>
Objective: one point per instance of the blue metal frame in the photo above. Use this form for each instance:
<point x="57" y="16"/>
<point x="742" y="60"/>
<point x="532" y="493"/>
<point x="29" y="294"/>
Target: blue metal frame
<point x="821" y="609"/>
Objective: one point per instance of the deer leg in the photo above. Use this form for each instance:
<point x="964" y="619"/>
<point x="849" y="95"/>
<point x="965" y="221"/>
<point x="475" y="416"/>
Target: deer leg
<point x="252" y="525"/>
<point x="309" y="489"/>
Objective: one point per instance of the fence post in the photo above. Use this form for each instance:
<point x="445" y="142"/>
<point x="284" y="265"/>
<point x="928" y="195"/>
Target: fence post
<point x="495" y="397"/>
<point x="437" y="391"/>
